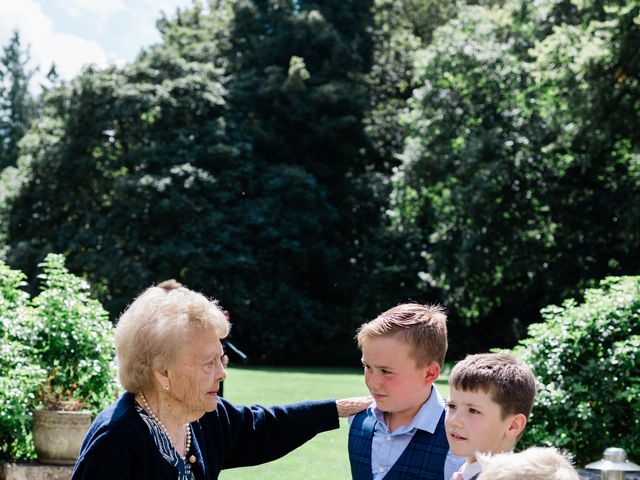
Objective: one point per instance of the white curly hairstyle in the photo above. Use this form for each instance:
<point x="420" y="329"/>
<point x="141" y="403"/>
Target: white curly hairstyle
<point x="152" y="329"/>
<point x="535" y="463"/>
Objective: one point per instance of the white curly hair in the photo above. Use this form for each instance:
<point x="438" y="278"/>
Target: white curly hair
<point x="535" y="463"/>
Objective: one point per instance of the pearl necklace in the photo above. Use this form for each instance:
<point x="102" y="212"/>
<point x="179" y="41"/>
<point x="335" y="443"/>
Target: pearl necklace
<point x="187" y="443"/>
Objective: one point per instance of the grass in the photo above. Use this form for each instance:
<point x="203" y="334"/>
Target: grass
<point x="324" y="457"/>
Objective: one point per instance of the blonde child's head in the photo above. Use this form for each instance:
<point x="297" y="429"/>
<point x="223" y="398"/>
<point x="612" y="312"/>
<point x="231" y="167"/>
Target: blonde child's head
<point x="422" y="327"/>
<point x="535" y="463"/>
<point x="402" y="354"/>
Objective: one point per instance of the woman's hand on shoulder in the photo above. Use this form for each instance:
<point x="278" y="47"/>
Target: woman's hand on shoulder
<point x="353" y="405"/>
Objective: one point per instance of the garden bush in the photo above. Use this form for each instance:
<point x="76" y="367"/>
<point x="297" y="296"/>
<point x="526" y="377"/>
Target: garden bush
<point x="586" y="359"/>
<point x="20" y="376"/>
<point x="56" y="351"/>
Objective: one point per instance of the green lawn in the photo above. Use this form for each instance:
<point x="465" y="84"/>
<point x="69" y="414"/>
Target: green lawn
<point x="324" y="457"/>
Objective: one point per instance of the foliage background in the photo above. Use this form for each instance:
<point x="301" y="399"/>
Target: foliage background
<point x="311" y="164"/>
<point x="585" y="358"/>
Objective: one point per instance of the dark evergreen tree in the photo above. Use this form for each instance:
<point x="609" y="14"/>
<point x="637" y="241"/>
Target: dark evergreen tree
<point x="299" y="89"/>
<point x="17" y="106"/>
<point x="228" y="156"/>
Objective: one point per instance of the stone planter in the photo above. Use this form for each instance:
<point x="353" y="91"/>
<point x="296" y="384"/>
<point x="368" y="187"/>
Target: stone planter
<point x="58" y="434"/>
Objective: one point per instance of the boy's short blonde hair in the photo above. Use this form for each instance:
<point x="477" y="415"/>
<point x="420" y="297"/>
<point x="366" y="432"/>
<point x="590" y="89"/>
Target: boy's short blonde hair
<point x="508" y="380"/>
<point x="535" y="463"/>
<point x="423" y="327"/>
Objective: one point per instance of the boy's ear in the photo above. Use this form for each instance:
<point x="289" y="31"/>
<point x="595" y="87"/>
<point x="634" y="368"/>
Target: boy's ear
<point x="518" y="422"/>
<point x="431" y="372"/>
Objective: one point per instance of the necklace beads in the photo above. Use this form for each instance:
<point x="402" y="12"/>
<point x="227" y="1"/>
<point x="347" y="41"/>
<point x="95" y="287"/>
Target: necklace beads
<point x="187" y="443"/>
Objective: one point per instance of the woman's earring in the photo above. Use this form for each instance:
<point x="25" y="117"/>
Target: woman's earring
<point x="166" y="388"/>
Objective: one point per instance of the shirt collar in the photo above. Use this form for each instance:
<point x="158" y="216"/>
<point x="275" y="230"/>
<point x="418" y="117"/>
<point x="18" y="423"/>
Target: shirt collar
<point x="469" y="470"/>
<point x="427" y="417"/>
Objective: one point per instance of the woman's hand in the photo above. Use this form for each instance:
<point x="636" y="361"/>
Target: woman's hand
<point x="353" y="405"/>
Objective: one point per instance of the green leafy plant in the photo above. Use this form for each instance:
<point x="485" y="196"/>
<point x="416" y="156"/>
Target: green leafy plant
<point x="72" y="338"/>
<point x="20" y="376"/>
<point x="587" y="362"/>
<point x="56" y="351"/>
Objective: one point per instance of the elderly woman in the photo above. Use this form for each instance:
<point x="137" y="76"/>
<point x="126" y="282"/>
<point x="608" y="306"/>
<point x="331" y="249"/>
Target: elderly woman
<point x="170" y="423"/>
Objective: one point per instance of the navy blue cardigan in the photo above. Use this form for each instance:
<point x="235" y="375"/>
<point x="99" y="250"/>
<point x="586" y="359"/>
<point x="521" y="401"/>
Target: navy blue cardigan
<point x="119" y="445"/>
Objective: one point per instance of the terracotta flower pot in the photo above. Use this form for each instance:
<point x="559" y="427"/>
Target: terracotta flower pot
<point x="58" y="434"/>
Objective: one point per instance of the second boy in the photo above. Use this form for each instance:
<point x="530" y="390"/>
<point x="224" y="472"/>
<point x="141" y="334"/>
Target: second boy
<point x="490" y="399"/>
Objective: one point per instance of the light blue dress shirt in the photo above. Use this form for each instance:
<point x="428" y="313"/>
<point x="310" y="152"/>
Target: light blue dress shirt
<point x="387" y="446"/>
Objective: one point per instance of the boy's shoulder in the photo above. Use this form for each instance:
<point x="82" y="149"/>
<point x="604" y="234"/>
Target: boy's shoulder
<point x="430" y="416"/>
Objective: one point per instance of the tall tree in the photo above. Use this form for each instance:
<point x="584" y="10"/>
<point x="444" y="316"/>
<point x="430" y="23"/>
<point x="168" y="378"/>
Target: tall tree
<point x="518" y="174"/>
<point x="225" y="157"/>
<point x="17" y="106"/>
<point x="300" y="91"/>
<point x="118" y="157"/>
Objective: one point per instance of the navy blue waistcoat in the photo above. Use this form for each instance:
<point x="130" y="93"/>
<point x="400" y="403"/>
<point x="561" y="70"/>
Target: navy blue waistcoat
<point x="423" y="458"/>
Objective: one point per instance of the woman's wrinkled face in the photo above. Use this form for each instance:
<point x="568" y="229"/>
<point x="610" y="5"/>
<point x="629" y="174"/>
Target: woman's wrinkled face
<point x="197" y="372"/>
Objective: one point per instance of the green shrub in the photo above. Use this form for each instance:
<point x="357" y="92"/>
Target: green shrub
<point x="56" y="351"/>
<point x="585" y="356"/>
<point x="20" y="376"/>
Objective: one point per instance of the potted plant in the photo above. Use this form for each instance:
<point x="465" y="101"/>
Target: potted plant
<point x="68" y="339"/>
<point x="60" y="425"/>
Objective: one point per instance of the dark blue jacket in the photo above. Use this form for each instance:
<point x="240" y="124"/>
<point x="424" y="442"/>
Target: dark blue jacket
<point x="119" y="445"/>
<point x="423" y="459"/>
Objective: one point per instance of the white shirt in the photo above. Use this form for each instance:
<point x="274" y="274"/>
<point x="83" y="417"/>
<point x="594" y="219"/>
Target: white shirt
<point x="469" y="470"/>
